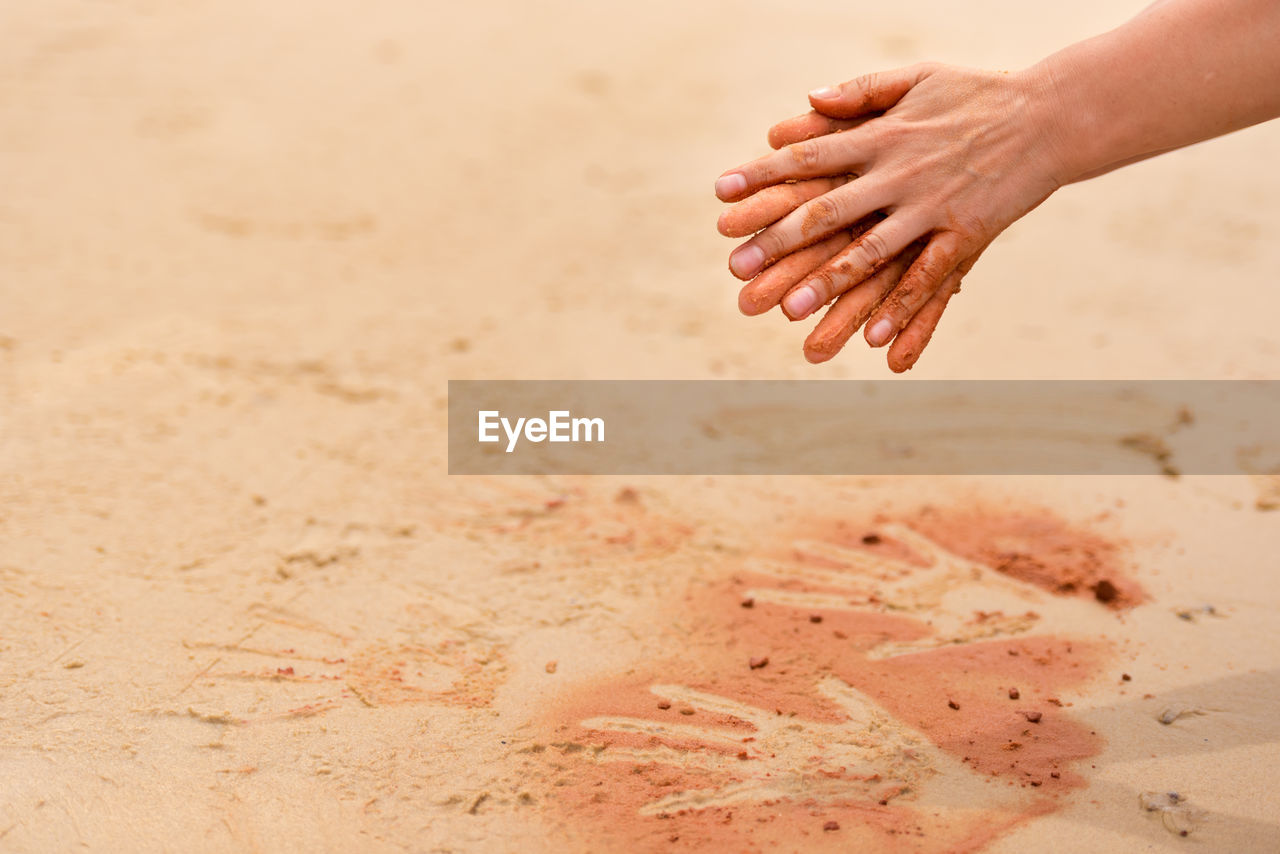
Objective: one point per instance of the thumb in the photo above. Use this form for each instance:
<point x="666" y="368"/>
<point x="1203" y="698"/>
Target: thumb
<point x="871" y="93"/>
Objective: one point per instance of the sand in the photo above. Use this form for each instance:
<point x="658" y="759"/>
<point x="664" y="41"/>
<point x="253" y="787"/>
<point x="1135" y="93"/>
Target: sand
<point x="244" y="245"/>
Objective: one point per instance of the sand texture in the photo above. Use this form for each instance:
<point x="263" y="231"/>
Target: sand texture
<point x="244" y="244"/>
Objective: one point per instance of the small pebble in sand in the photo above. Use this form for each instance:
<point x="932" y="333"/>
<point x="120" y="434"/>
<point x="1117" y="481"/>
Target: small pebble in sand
<point x="953" y="704"/>
<point x="815" y="618"/>
<point x="1125" y="677"/>
<point x="870" y="539"/>
<point x="1034" y="717"/>
<point x="664" y="705"/>
<point x="1013" y="694"/>
<point x="1175" y="711"/>
<point x="551" y="666"/>
<point x="1104" y="591"/>
<point x="758" y="662"/>
<point x="686" y="711"/>
<point x="831" y="825"/>
<point x="1190" y="614"/>
<point x="748" y="602"/>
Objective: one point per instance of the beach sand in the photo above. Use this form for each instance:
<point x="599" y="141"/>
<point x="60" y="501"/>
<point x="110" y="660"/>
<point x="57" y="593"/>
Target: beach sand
<point x="244" y="245"/>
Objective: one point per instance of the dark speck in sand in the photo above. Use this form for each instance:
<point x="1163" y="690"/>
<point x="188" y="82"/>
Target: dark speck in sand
<point x="1104" y="591"/>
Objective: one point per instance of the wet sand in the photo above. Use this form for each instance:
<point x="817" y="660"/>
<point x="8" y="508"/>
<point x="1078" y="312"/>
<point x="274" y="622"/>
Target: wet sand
<point x="242" y="248"/>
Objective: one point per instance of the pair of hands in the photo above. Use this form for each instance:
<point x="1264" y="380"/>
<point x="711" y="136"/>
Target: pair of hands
<point x="884" y="197"/>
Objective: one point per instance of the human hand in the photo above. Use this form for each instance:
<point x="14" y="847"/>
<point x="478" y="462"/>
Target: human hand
<point x="769" y="288"/>
<point x="947" y="158"/>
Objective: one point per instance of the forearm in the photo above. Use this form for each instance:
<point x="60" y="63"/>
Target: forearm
<point x="1180" y="72"/>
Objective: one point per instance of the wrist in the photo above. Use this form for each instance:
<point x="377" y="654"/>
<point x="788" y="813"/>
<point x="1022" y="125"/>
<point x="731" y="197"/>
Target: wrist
<point x="1065" y="131"/>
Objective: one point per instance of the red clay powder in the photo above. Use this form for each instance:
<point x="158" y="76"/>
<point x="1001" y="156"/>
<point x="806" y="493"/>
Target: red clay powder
<point x="960" y="697"/>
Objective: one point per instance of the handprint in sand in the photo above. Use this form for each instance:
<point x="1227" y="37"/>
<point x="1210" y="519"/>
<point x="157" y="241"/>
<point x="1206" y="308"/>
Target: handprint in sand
<point x="865" y="755"/>
<point x="960" y="600"/>
<point x="898" y="680"/>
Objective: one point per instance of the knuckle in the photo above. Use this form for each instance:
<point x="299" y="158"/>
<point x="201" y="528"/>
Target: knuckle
<point x="883" y="133"/>
<point x="872" y="251"/>
<point x="772" y="242"/>
<point x="762" y="173"/>
<point x="822" y="214"/>
<point x="895" y="308"/>
<point x="858" y="90"/>
<point x="907" y="299"/>
<point x="807" y="154"/>
<point x="904" y="300"/>
<point x="821" y="282"/>
<point x="970" y="225"/>
<point x="931" y="268"/>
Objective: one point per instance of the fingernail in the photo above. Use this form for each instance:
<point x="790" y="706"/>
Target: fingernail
<point x="879" y="334"/>
<point x="746" y="261"/>
<point x="800" y="302"/>
<point x="824" y="93"/>
<point x="728" y="186"/>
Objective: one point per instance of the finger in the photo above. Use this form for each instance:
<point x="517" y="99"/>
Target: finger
<point x="767" y="289"/>
<point x="853" y="308"/>
<point x="857" y="263"/>
<point x="914" y="337"/>
<point x="816" y="219"/>
<point x="869" y="93"/>
<point x="936" y="262"/>
<point x="771" y="204"/>
<point x="835" y="154"/>
<point x="808" y="126"/>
